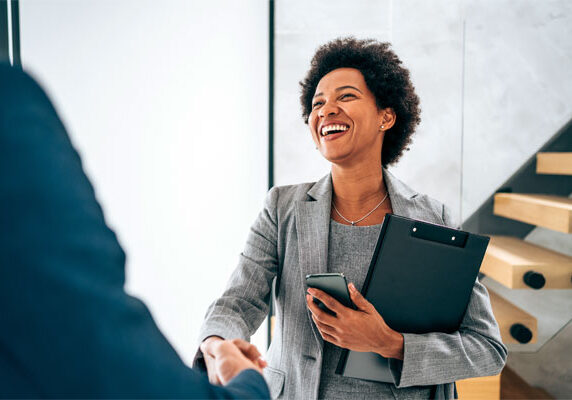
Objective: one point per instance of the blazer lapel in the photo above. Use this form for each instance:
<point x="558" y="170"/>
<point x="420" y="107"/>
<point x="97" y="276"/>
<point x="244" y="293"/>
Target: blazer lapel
<point x="402" y="197"/>
<point x="313" y="227"/>
<point x="313" y="219"/>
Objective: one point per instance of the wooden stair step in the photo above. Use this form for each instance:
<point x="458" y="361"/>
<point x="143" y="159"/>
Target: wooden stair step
<point x="481" y="388"/>
<point x="507" y="385"/>
<point x="514" y="387"/>
<point x="554" y="163"/>
<point x="515" y="324"/>
<point x="552" y="212"/>
<point x="518" y="264"/>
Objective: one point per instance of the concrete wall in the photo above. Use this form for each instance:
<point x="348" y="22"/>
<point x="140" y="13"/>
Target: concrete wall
<point x="518" y="93"/>
<point x="518" y="87"/>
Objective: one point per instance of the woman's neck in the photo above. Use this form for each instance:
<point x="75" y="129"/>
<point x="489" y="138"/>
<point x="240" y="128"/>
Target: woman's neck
<point x="358" y="186"/>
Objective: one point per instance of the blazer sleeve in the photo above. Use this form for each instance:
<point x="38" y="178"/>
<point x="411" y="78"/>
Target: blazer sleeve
<point x="245" y="302"/>
<point x="476" y="349"/>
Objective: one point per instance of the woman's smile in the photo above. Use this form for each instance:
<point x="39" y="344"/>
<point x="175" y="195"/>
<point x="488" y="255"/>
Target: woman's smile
<point x="331" y="130"/>
<point x="344" y="107"/>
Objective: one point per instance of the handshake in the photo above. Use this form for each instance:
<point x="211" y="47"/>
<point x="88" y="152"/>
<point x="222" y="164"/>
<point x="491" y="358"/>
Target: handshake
<point x="225" y="359"/>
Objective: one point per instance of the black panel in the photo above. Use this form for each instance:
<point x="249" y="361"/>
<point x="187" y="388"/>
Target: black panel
<point x="436" y="233"/>
<point x="271" y="134"/>
<point x="16" y="59"/>
<point x="4" y="49"/>
<point x="270" y="94"/>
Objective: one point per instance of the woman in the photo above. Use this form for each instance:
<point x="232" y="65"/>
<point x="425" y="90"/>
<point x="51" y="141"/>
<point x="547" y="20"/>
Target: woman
<point x="361" y="108"/>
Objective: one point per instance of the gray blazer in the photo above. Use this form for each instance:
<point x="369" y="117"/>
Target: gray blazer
<point x="292" y="231"/>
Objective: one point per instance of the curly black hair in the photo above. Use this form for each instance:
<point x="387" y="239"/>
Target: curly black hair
<point x="384" y="75"/>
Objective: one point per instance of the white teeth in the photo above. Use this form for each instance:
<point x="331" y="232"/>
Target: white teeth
<point x="333" y="127"/>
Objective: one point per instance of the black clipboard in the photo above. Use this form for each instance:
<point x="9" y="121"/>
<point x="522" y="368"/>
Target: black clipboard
<point x="420" y="280"/>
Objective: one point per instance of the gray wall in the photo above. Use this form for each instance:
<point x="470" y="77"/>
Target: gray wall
<point x="495" y="82"/>
<point x="518" y="87"/>
<point x="518" y="92"/>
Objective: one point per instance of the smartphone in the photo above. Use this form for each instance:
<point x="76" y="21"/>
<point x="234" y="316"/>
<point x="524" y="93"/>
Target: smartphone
<point x="335" y="285"/>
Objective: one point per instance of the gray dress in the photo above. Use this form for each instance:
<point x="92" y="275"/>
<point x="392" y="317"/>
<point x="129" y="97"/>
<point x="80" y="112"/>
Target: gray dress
<point x="349" y="252"/>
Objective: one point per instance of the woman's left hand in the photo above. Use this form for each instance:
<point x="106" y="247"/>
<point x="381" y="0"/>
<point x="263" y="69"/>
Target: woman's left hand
<point x="359" y="330"/>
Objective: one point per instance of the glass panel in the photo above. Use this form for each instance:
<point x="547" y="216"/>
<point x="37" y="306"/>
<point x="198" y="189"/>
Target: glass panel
<point x="518" y="86"/>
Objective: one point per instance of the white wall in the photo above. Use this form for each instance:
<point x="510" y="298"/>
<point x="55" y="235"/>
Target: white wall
<point x="167" y="104"/>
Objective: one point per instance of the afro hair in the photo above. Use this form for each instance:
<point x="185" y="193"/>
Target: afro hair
<point x="384" y="75"/>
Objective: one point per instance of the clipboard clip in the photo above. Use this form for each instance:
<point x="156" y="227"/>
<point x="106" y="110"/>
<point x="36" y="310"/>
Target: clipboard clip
<point x="438" y="233"/>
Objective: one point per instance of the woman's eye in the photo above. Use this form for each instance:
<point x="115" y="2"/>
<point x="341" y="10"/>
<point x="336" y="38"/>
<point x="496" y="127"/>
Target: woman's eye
<point x="346" y="96"/>
<point x="318" y="103"/>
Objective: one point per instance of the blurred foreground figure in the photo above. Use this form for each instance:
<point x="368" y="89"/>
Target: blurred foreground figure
<point x="67" y="328"/>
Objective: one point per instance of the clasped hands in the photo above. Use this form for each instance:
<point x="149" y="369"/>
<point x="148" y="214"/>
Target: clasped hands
<point x="361" y="330"/>
<point x="227" y="358"/>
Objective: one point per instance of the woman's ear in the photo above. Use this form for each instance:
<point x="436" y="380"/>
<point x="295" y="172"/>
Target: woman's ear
<point x="387" y="119"/>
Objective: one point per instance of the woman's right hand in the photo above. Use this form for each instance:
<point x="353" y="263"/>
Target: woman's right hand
<point x="222" y="365"/>
<point x="207" y="350"/>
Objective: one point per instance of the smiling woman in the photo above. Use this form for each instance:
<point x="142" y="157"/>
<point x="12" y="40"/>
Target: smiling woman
<point x="341" y="111"/>
<point x="385" y="79"/>
<point x="361" y="108"/>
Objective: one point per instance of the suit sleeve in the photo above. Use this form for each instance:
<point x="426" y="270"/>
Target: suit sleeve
<point x="476" y="349"/>
<point x="245" y="302"/>
<point x="68" y="327"/>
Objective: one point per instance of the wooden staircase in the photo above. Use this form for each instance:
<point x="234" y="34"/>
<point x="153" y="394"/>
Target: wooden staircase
<point x="518" y="264"/>
<point x="552" y="212"/>
<point x="514" y="387"/>
<point x="521" y="265"/>
<point x="515" y="324"/>
<point x="507" y="385"/>
<point x="554" y="163"/>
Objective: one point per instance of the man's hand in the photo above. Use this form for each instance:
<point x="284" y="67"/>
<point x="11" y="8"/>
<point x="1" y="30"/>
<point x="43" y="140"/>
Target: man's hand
<point x="359" y="330"/>
<point x="227" y="358"/>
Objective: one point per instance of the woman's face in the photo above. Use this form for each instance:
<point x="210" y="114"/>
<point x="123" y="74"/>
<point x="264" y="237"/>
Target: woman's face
<point x="345" y="121"/>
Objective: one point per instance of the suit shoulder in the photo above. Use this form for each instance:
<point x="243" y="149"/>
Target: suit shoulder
<point x="427" y="207"/>
<point x="285" y="196"/>
<point x="432" y="204"/>
<point x="440" y="209"/>
<point x="297" y="191"/>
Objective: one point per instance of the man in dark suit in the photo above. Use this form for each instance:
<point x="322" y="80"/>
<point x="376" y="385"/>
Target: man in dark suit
<point x="67" y="327"/>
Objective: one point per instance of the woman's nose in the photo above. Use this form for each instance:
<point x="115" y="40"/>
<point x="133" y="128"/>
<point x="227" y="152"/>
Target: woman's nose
<point x="328" y="109"/>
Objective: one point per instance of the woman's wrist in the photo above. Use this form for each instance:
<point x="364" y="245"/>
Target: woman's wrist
<point x="207" y="342"/>
<point x="392" y="346"/>
<point x="399" y="346"/>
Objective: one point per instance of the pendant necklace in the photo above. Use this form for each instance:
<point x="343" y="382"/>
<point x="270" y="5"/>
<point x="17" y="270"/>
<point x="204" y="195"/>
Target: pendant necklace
<point x="362" y="218"/>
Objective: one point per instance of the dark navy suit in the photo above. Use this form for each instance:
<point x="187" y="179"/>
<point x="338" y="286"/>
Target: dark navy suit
<point x="67" y="327"/>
